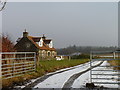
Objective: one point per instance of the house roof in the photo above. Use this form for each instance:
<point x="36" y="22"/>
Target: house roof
<point x="47" y="41"/>
<point x="37" y="39"/>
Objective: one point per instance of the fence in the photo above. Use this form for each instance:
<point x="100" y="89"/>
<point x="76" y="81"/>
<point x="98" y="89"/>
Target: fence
<point x="106" y="73"/>
<point x="15" y="64"/>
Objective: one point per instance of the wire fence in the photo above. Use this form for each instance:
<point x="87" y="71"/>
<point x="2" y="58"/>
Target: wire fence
<point x="15" y="64"/>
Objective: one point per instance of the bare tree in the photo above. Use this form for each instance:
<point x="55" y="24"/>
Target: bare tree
<point x="2" y="4"/>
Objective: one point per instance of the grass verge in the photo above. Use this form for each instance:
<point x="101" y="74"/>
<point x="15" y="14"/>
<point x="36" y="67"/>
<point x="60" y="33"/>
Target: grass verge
<point x="42" y="69"/>
<point x="115" y="63"/>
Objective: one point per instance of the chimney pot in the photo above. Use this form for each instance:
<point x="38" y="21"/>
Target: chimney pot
<point x="25" y="33"/>
<point x="43" y="37"/>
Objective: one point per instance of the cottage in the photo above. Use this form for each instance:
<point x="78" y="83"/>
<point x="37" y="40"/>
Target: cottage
<point x="42" y="46"/>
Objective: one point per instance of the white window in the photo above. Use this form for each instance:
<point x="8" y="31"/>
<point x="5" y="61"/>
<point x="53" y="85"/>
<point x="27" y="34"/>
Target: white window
<point x="41" y="42"/>
<point x="51" y="44"/>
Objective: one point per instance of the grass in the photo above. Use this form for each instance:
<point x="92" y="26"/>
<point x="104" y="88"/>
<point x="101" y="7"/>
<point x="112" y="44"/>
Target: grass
<point x="115" y="63"/>
<point x="53" y="65"/>
<point x="43" y="68"/>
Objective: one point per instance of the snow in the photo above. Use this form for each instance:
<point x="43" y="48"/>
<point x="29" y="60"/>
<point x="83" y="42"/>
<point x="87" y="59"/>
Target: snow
<point x="85" y="78"/>
<point x="58" y="80"/>
<point x="33" y="80"/>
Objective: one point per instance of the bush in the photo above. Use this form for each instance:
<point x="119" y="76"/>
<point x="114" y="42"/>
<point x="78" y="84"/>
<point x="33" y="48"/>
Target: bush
<point x="7" y="44"/>
<point x="82" y="56"/>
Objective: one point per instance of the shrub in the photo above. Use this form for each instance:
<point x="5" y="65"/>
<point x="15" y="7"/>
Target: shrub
<point x="82" y="56"/>
<point x="7" y="45"/>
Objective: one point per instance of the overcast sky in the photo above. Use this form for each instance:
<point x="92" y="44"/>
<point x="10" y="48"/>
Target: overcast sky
<point x="70" y="23"/>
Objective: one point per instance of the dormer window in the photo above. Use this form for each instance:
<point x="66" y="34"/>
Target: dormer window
<point x="51" y="44"/>
<point x="41" y="42"/>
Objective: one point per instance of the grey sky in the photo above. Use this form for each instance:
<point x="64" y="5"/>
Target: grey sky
<point x="85" y="24"/>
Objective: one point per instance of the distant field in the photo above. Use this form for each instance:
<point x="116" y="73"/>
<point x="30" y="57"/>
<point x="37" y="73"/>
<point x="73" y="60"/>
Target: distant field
<point x="43" y="68"/>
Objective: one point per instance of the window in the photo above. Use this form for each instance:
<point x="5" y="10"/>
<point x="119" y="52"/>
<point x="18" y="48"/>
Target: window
<point x="41" y="43"/>
<point x="53" y="54"/>
<point x="48" y="53"/>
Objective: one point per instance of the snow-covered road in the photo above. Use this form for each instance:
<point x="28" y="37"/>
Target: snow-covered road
<point x="81" y="74"/>
<point x="58" y="80"/>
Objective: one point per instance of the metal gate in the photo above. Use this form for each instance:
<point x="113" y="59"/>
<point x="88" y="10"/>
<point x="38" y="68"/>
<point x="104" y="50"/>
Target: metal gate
<point x="108" y="73"/>
<point x="15" y="64"/>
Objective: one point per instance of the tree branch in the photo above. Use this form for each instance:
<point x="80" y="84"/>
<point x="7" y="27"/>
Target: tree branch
<point x="3" y="6"/>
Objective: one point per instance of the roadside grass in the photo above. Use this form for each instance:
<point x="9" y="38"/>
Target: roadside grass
<point x="43" y="68"/>
<point x="115" y="63"/>
<point x="53" y="65"/>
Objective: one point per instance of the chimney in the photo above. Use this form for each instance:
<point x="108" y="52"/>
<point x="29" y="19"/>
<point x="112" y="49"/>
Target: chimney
<point x="25" y="33"/>
<point x="43" y="37"/>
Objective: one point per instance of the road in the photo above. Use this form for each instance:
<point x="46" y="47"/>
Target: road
<point x="74" y="77"/>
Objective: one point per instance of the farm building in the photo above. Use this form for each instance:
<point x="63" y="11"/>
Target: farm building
<point x="42" y="46"/>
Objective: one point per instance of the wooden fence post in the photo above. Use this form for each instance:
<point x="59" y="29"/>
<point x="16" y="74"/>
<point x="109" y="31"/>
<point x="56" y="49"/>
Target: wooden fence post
<point x="0" y="71"/>
<point x="38" y="60"/>
<point x="35" y="61"/>
<point x="114" y="55"/>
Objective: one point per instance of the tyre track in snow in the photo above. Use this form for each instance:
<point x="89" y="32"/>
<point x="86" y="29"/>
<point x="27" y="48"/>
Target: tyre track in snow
<point x="41" y="79"/>
<point x="71" y="80"/>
